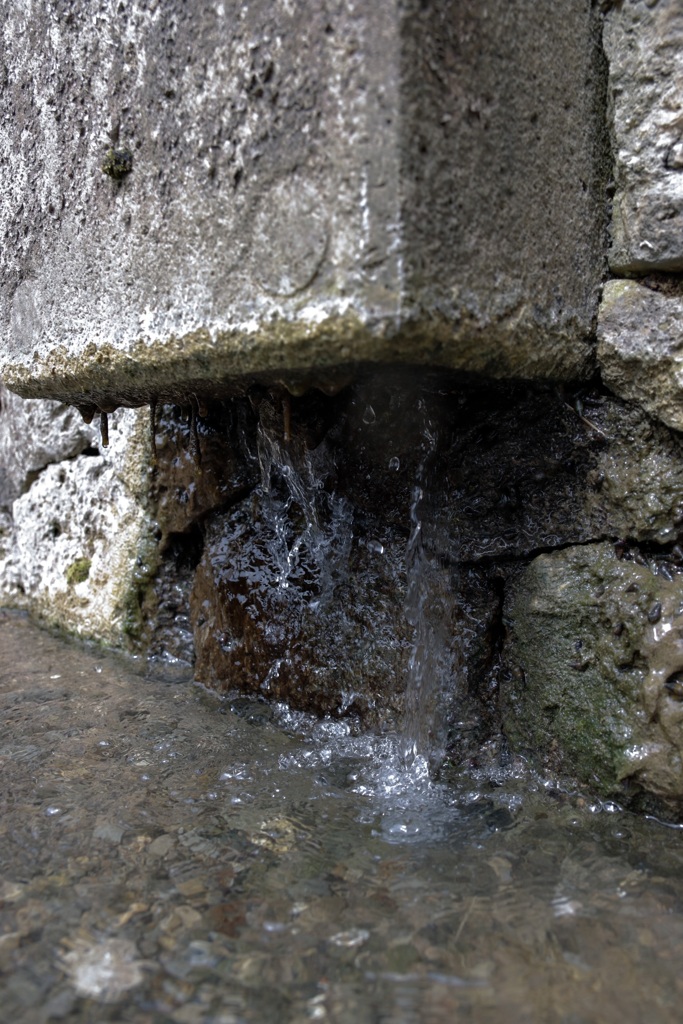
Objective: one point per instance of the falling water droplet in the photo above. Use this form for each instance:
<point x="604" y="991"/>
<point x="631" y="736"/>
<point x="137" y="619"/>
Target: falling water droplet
<point x="395" y="463"/>
<point x="369" y="415"/>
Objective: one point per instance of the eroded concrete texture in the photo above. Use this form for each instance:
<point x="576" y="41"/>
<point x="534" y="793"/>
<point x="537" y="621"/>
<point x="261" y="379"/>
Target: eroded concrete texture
<point x="640" y="348"/>
<point x="639" y="332"/>
<point x="292" y="187"/>
<point x="76" y="537"/>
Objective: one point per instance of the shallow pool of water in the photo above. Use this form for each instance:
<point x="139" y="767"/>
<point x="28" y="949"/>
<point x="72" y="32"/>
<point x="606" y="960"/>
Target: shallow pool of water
<point x="167" y="856"/>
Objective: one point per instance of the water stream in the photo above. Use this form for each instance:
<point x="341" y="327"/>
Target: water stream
<point x="311" y="531"/>
<point x="169" y="856"/>
<point x="429" y="605"/>
<point x="311" y="527"/>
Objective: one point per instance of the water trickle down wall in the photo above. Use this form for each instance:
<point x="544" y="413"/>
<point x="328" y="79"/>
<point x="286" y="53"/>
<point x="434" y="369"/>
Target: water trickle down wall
<point x="433" y="681"/>
<point x="366" y="566"/>
<point x="198" y="212"/>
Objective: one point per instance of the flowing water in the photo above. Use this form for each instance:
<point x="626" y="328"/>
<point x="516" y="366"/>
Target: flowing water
<point x="311" y="534"/>
<point x="305" y="519"/>
<point x="170" y="856"/>
<point x="432" y="672"/>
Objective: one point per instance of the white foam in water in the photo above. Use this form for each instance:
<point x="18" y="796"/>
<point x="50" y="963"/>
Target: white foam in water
<point x="404" y="802"/>
<point x="401" y="802"/>
<point x="102" y="970"/>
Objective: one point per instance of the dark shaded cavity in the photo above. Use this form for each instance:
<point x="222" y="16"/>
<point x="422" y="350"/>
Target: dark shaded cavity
<point x="285" y="524"/>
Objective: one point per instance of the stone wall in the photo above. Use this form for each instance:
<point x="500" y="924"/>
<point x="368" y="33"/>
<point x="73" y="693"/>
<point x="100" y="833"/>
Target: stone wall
<point x="248" y="218"/>
<point x="76" y="527"/>
<point x="596" y="632"/>
<point x="641" y="315"/>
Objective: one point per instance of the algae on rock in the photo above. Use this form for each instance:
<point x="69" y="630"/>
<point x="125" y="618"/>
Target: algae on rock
<point x="78" y="571"/>
<point x="596" y="642"/>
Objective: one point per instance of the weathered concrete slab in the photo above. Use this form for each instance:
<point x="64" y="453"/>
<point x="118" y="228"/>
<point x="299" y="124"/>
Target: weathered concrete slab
<point x="640" y="344"/>
<point x="643" y="43"/>
<point x="291" y="187"/>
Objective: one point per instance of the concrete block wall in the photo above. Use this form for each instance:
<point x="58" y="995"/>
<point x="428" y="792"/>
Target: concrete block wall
<point x="641" y="316"/>
<point x="193" y="196"/>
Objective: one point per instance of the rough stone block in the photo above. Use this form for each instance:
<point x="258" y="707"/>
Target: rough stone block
<point x="640" y="344"/>
<point x="643" y="43"/>
<point x="193" y="195"/>
<point x="597" y="690"/>
<point x="34" y="434"/>
<point x="79" y="542"/>
<point x="303" y="566"/>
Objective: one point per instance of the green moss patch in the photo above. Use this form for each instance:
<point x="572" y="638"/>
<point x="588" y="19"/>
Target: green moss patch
<point x="78" y="571"/>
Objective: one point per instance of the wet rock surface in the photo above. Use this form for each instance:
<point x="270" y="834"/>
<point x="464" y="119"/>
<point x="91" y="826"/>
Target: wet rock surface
<point x="32" y="436"/>
<point x="77" y="539"/>
<point x="531" y="468"/>
<point x="639" y="344"/>
<point x="596" y="656"/>
<point x="357" y="554"/>
<point x="193" y="198"/>
<point x="202" y="462"/>
<point x="324" y="637"/>
<point x="75" y="535"/>
<point x="643" y="44"/>
<point x="291" y="567"/>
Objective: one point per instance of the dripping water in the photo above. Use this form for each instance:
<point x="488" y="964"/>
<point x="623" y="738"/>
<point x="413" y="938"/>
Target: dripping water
<point x="310" y="547"/>
<point x="310" y="524"/>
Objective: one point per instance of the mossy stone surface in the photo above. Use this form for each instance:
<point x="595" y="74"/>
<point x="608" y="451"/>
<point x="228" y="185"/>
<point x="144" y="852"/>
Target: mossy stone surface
<point x="595" y="642"/>
<point x="78" y="571"/>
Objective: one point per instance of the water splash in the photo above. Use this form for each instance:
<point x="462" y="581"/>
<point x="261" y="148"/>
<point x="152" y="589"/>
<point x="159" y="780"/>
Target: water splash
<point x="404" y="803"/>
<point x="310" y="549"/>
<point x="400" y="803"/>
<point x="311" y="525"/>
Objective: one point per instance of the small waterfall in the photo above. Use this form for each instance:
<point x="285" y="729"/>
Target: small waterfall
<point x="311" y="531"/>
<point x="429" y="611"/>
